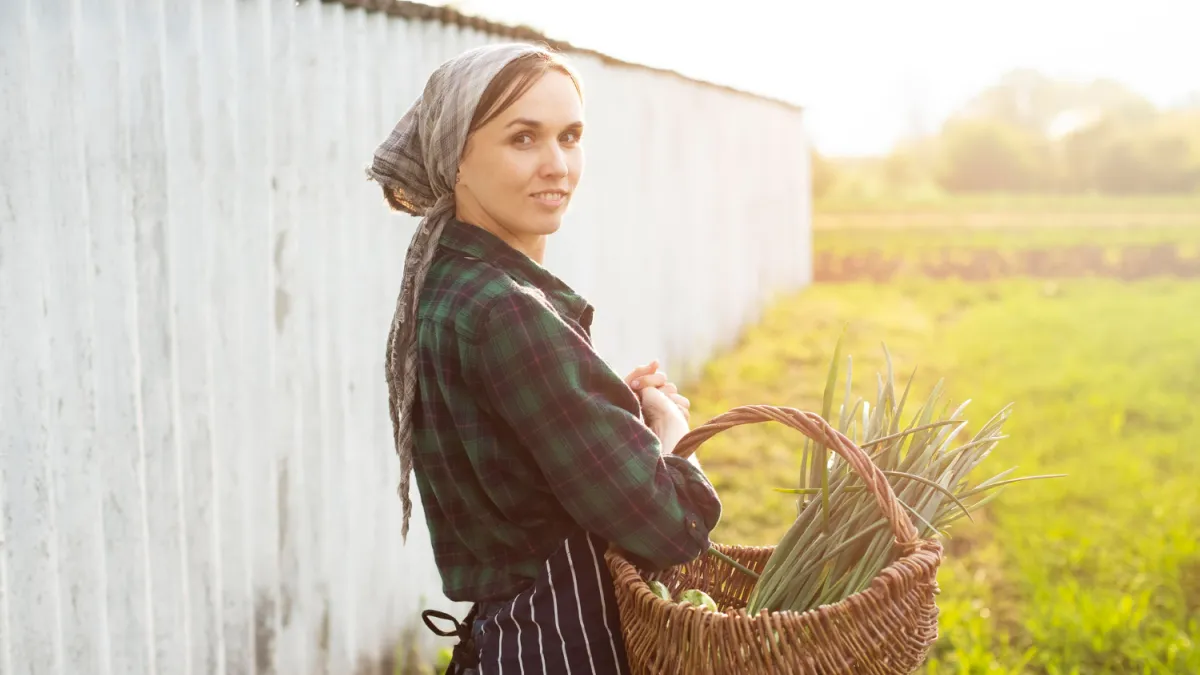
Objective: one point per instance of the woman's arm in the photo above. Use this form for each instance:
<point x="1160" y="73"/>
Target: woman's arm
<point x="581" y="424"/>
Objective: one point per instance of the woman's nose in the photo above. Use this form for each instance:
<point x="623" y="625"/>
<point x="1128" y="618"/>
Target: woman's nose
<point x="555" y="162"/>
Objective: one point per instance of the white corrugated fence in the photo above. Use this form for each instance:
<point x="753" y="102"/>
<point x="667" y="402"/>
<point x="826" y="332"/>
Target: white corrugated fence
<point x="196" y="282"/>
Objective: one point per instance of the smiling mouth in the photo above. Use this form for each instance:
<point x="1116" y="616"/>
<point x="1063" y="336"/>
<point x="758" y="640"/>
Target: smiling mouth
<point x="550" y="197"/>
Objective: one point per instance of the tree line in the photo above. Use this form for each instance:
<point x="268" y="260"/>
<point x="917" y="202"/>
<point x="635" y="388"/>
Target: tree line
<point x="1029" y="133"/>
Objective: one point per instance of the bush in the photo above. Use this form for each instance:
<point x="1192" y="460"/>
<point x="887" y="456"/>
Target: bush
<point x="990" y="156"/>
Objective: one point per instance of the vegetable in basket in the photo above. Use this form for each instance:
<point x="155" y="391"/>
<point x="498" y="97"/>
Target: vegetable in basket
<point x="660" y="589"/>
<point x="840" y="541"/>
<point x="699" y="598"/>
<point x="692" y="596"/>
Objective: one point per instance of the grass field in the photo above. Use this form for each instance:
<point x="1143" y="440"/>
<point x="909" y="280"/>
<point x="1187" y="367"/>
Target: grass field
<point x="1023" y="206"/>
<point x="1095" y="573"/>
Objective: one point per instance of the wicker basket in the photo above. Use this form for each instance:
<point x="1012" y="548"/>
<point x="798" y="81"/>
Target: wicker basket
<point x="887" y="628"/>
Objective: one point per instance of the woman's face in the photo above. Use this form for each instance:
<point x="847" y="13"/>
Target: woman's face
<point x="519" y="171"/>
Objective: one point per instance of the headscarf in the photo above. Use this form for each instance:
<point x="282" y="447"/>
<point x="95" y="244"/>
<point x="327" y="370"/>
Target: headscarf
<point x="418" y="164"/>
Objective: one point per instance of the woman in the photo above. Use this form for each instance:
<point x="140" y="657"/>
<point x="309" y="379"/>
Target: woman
<point x="531" y="456"/>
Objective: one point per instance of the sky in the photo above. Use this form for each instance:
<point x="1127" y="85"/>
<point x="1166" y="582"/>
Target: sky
<point x="870" y="72"/>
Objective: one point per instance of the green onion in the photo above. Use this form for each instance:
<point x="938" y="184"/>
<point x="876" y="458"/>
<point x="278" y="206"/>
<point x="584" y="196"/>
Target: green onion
<point x="840" y="542"/>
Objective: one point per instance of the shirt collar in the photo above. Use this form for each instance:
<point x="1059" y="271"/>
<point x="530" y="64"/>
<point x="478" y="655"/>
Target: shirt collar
<point x="477" y="242"/>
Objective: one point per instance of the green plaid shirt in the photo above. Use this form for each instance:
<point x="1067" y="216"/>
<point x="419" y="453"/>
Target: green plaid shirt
<point x="523" y="433"/>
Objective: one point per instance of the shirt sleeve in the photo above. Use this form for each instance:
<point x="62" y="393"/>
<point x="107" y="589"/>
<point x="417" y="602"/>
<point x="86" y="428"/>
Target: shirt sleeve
<point x="581" y="424"/>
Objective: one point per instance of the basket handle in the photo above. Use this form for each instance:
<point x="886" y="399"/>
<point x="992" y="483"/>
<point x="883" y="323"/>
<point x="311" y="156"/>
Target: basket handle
<point x="811" y="425"/>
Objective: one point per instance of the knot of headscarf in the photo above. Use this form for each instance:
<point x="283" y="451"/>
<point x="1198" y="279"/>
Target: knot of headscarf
<point x="418" y="166"/>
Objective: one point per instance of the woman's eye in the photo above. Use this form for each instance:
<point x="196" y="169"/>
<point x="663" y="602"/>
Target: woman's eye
<point x="570" y="137"/>
<point x="523" y="139"/>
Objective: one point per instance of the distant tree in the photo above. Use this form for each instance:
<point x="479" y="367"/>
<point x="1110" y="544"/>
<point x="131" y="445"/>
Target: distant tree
<point x="1029" y="132"/>
<point x="993" y="156"/>
<point x="1080" y="152"/>
<point x="1033" y="101"/>
<point x="1163" y="158"/>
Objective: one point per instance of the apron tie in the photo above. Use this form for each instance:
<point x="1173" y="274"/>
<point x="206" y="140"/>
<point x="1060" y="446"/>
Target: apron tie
<point x="465" y="655"/>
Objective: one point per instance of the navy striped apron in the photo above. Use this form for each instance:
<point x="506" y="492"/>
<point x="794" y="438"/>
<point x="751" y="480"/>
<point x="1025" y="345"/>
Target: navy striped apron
<point x="567" y="623"/>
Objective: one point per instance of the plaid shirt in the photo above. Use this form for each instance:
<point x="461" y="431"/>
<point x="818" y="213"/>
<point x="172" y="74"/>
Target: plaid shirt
<point x="523" y="433"/>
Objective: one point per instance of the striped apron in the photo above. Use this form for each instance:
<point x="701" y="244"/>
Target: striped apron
<point x="567" y="623"/>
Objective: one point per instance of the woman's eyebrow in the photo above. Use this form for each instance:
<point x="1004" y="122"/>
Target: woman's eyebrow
<point x="524" y="121"/>
<point x="535" y="124"/>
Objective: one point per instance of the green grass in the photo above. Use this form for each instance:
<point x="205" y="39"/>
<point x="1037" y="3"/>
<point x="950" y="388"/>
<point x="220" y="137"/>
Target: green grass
<point x="1006" y="223"/>
<point x="1007" y="203"/>
<point x="1095" y="573"/>
<point x="920" y="240"/>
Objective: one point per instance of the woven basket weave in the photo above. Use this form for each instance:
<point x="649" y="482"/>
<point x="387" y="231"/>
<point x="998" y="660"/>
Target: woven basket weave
<point x="886" y="628"/>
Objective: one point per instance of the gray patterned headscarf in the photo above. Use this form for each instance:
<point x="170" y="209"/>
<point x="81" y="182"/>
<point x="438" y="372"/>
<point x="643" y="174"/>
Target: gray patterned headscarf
<point x="418" y="165"/>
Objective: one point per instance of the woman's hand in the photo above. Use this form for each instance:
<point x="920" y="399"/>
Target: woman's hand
<point x="648" y="376"/>
<point x="664" y="417"/>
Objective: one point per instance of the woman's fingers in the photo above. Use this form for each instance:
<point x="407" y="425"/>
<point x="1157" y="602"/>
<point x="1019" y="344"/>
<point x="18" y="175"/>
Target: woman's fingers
<point x="683" y="404"/>
<point x="656" y="380"/>
<point x="634" y="379"/>
<point x="649" y="377"/>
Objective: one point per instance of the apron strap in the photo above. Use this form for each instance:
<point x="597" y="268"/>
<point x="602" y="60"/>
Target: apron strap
<point x="465" y="655"/>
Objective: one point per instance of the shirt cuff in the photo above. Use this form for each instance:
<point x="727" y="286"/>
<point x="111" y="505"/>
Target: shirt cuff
<point x="697" y="494"/>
